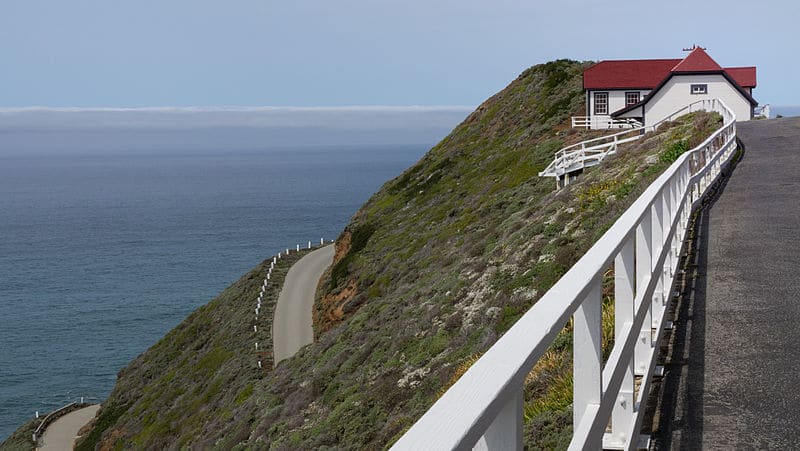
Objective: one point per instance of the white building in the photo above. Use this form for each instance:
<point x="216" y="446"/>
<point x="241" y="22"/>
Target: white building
<point x="647" y="91"/>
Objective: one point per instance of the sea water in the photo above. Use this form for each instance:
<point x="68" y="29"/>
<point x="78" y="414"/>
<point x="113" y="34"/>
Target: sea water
<point x="102" y="253"/>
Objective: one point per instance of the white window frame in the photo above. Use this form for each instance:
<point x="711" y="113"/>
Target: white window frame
<point x="698" y="89"/>
<point x="631" y="94"/>
<point x="596" y="110"/>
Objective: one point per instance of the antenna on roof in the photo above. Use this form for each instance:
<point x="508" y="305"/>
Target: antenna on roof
<point x="694" y="46"/>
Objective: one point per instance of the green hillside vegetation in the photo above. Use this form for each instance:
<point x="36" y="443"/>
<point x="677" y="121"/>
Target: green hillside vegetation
<point x="437" y="265"/>
<point x="20" y="440"/>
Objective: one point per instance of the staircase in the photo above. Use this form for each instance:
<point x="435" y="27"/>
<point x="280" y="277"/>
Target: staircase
<point x="570" y="161"/>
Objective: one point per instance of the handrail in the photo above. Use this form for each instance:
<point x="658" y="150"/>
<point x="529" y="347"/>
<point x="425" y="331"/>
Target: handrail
<point x="690" y="108"/>
<point x="48" y="418"/>
<point x="588" y="152"/>
<point x="483" y="409"/>
<point x="592" y="151"/>
<point x="602" y="122"/>
<point x="610" y="138"/>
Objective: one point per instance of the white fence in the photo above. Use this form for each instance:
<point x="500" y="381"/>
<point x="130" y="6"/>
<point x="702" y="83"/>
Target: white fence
<point x="483" y="409"/>
<point x="586" y="153"/>
<point x="603" y="122"/>
<point x="698" y="105"/>
<point x="592" y="151"/>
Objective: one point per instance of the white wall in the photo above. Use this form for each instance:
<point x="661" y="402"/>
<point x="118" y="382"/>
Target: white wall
<point x="616" y="99"/>
<point x="675" y="94"/>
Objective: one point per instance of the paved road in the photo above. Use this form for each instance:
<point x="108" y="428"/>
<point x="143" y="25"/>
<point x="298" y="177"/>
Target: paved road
<point x="292" y="324"/>
<point x="62" y="433"/>
<point x="739" y="354"/>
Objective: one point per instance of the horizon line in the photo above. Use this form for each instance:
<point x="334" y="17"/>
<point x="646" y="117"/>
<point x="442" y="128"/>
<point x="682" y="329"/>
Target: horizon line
<point x="231" y="108"/>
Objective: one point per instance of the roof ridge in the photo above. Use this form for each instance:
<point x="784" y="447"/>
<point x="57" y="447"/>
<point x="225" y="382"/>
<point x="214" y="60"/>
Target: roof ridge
<point x="697" y="61"/>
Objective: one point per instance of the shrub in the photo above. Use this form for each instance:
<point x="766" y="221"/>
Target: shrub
<point x="674" y="151"/>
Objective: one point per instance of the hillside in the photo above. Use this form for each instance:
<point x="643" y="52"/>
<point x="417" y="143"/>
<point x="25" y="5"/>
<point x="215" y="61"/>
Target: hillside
<point x="428" y="274"/>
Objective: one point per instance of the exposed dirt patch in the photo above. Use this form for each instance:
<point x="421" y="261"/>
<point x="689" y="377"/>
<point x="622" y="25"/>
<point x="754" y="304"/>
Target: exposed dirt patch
<point x="109" y="442"/>
<point x="331" y="308"/>
<point x="342" y="246"/>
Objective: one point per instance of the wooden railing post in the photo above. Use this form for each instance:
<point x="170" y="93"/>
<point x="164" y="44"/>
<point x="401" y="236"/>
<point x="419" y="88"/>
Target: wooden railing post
<point x="587" y="358"/>
<point x="666" y="224"/>
<point x="644" y="252"/>
<point x="624" y="287"/>
<point x="657" y="238"/>
<point x="505" y="432"/>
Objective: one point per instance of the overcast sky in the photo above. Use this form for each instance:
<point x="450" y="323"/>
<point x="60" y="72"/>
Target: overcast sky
<point x="126" y="53"/>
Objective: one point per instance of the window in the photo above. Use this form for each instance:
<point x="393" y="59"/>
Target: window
<point x="631" y="98"/>
<point x="600" y="103"/>
<point x="699" y="89"/>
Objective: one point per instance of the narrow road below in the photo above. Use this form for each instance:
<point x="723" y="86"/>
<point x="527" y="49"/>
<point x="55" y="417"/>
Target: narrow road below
<point x="291" y="327"/>
<point x="61" y="434"/>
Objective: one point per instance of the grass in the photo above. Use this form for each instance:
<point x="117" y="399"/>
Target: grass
<point x="557" y="397"/>
<point x="207" y="364"/>
<point x="674" y="150"/>
<point x="20" y="439"/>
<point x="443" y="260"/>
<point x="360" y="235"/>
<point x="108" y="416"/>
<point x="244" y="394"/>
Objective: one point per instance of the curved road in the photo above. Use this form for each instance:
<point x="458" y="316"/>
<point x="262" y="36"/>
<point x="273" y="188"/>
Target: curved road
<point x="62" y="433"/>
<point x="291" y="327"/>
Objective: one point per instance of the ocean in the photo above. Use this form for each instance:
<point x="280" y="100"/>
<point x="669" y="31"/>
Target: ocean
<point x="785" y="110"/>
<point x="102" y="253"/>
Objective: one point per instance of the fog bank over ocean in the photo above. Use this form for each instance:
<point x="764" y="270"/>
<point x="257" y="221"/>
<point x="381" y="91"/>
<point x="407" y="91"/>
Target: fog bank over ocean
<point x="92" y="130"/>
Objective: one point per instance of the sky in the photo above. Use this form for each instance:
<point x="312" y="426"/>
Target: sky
<point x="333" y="53"/>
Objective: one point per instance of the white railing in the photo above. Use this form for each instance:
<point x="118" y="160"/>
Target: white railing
<point x="483" y="409"/>
<point x="698" y="105"/>
<point x="762" y="111"/>
<point x="592" y="151"/>
<point x="37" y="434"/>
<point x="603" y="122"/>
<point x="587" y="153"/>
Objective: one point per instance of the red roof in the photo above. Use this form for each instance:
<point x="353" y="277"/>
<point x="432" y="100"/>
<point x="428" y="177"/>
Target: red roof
<point x="745" y="76"/>
<point x="647" y="74"/>
<point x="697" y="61"/>
<point x="627" y="74"/>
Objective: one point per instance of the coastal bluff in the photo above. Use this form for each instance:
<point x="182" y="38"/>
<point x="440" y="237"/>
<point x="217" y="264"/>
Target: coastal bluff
<point x="433" y="268"/>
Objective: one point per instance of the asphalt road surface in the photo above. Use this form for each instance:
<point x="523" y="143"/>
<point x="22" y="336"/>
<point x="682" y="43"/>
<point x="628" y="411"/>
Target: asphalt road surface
<point x="62" y="433"/>
<point x="739" y="357"/>
<point x="291" y="327"/>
